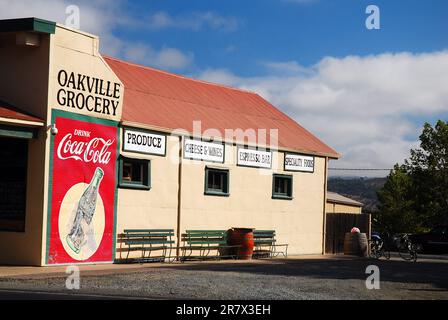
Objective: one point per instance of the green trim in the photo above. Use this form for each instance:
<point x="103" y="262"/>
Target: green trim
<point x="50" y="189"/>
<point x="81" y="117"/>
<point x="131" y="184"/>
<point x="278" y="195"/>
<point x="28" y="24"/>
<point x="74" y="116"/>
<point x="18" y="132"/>
<point x="114" y="235"/>
<point x="213" y="192"/>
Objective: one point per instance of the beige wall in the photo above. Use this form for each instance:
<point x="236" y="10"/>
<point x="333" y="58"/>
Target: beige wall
<point x="332" y="207"/>
<point x="24" y="83"/>
<point x="298" y="222"/>
<point x="24" y="74"/>
<point x="155" y="208"/>
<point x="29" y="81"/>
<point x="75" y="51"/>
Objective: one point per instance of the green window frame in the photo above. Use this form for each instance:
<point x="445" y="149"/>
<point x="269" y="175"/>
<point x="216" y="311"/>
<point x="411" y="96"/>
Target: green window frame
<point x="134" y="173"/>
<point x="282" y="186"/>
<point x="216" y="182"/>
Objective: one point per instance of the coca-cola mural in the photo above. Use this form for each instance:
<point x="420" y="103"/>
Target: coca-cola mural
<point x="81" y="227"/>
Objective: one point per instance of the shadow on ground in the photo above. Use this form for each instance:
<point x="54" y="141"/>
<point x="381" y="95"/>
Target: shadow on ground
<point x="433" y="273"/>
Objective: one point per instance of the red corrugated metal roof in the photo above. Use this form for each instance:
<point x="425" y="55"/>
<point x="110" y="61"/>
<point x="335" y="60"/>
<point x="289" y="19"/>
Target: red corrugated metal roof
<point x="166" y="100"/>
<point x="10" y="112"/>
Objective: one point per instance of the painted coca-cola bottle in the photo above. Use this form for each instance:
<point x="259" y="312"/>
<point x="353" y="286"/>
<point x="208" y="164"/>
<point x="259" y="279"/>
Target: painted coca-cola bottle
<point x="84" y="212"/>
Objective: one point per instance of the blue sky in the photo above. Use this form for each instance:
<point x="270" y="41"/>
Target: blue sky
<point x="364" y="92"/>
<point x="275" y="30"/>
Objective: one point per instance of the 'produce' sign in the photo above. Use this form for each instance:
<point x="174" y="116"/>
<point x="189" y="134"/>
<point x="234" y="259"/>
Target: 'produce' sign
<point x="144" y="142"/>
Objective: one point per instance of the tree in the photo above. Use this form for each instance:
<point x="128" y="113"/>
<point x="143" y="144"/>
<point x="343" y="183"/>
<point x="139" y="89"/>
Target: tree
<point x="415" y="195"/>
<point x="428" y="167"/>
<point x="396" y="209"/>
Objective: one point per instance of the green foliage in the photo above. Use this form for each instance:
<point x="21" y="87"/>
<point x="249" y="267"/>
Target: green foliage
<point x="415" y="195"/>
<point x="361" y="189"/>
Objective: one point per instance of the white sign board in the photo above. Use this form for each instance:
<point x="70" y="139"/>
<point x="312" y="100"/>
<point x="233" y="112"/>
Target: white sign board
<point x="201" y="150"/>
<point x="297" y="162"/>
<point x="144" y="142"/>
<point x="254" y="158"/>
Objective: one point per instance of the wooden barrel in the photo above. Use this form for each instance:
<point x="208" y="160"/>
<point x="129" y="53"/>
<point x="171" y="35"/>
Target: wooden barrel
<point x="243" y="237"/>
<point x="355" y="244"/>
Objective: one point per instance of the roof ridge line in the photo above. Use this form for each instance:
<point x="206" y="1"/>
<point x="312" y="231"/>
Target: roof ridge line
<point x="179" y="75"/>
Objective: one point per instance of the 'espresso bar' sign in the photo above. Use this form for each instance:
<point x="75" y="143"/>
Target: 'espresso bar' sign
<point x="254" y="158"/>
<point x="297" y="162"/>
<point x="202" y="150"/>
<point x="144" y="142"/>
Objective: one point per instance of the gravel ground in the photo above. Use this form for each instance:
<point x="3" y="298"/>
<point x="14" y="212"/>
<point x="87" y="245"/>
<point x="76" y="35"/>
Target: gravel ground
<point x="262" y="279"/>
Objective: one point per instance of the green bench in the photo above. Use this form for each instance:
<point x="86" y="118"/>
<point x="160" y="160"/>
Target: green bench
<point x="206" y="243"/>
<point x="266" y="246"/>
<point x="149" y="240"/>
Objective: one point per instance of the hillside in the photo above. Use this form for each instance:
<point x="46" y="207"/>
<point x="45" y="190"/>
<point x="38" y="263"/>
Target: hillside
<point x="359" y="189"/>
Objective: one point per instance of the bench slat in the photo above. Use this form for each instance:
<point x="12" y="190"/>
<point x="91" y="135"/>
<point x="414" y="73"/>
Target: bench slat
<point x="204" y="234"/>
<point x="205" y="231"/>
<point x="147" y="242"/>
<point x="148" y="230"/>
<point x="141" y="235"/>
<point x="207" y="242"/>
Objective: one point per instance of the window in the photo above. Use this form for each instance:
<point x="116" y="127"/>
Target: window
<point x="135" y="173"/>
<point x="216" y="182"/>
<point x="13" y="161"/>
<point x="282" y="187"/>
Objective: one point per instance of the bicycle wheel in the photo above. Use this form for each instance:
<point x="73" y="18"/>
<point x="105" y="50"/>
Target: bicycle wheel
<point x="405" y="251"/>
<point x="414" y="250"/>
<point x="374" y="253"/>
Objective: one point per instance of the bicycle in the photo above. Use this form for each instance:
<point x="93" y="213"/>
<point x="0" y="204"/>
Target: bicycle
<point x="406" y="249"/>
<point x="378" y="248"/>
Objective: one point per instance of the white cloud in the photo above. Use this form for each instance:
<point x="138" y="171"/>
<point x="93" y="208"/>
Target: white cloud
<point x="284" y="67"/>
<point x="194" y="21"/>
<point x="101" y="17"/>
<point x="166" y="58"/>
<point x="361" y="106"/>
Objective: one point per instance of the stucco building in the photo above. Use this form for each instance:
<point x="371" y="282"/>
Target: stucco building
<point x="135" y="147"/>
<point x="337" y="203"/>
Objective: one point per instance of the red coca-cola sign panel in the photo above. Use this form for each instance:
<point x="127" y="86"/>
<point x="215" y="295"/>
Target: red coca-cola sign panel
<point x="82" y="191"/>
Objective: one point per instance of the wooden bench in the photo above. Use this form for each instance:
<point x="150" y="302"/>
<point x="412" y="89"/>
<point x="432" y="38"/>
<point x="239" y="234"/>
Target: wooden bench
<point x="205" y="242"/>
<point x="265" y="245"/>
<point x="149" y="240"/>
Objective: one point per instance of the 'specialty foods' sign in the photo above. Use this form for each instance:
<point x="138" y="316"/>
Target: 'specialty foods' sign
<point x="202" y="150"/>
<point x="144" y="142"/>
<point x="254" y="158"/>
<point x="86" y="93"/>
<point x="297" y="162"/>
